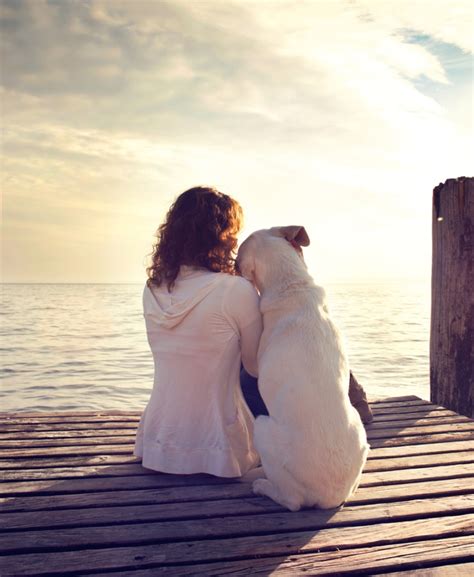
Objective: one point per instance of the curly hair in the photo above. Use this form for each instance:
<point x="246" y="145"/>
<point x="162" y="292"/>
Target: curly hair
<point x="199" y="230"/>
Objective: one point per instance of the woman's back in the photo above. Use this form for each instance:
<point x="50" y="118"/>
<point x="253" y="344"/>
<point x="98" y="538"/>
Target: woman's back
<point x="196" y="419"/>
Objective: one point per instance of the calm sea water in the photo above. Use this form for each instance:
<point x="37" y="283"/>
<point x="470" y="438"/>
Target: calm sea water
<point x="77" y="346"/>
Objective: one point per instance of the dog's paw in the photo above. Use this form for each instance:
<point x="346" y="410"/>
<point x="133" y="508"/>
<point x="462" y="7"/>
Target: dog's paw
<point x="261" y="487"/>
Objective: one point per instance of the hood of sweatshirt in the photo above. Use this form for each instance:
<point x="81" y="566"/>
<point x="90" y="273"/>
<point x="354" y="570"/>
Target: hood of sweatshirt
<point x="167" y="309"/>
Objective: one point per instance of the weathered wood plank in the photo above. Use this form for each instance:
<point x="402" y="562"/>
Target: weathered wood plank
<point x="421" y="415"/>
<point x="82" y="441"/>
<point x="123" y="458"/>
<point x="162" y="480"/>
<point x="293" y="543"/>
<point x="346" y="562"/>
<point x="420" y="449"/>
<point x="125" y="447"/>
<point x="384" y="474"/>
<point x="134" y="468"/>
<point x="108" y="484"/>
<point x="418" y="474"/>
<point x="416" y="402"/>
<point x="416" y="409"/>
<point x="452" y="570"/>
<point x="27" y="427"/>
<point x="71" y="461"/>
<point x="99" y="425"/>
<point x="455" y="570"/>
<point x="419" y="430"/>
<point x="66" y="451"/>
<point x="108" y="412"/>
<point x="185" y="493"/>
<point x="416" y="422"/>
<point x="430" y="460"/>
<point x="126" y="437"/>
<point x="111" y="465"/>
<point x="227" y="517"/>
<point x="395" y="399"/>
<point x="374" y="431"/>
<point x="36" y="414"/>
<point x="134" y="416"/>
<point x="94" y="418"/>
<point x="423" y="439"/>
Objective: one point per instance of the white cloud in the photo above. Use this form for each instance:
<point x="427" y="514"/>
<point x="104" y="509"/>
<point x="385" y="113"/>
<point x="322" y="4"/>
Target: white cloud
<point x="314" y="109"/>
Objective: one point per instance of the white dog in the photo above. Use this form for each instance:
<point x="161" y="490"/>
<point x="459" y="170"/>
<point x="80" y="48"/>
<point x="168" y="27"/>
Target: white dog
<point x="313" y="445"/>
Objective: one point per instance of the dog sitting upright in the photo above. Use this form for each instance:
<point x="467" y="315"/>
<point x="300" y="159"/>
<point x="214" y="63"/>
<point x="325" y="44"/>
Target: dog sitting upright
<point x="312" y="445"/>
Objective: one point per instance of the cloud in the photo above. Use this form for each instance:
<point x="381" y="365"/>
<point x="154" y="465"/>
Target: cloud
<point x="113" y="107"/>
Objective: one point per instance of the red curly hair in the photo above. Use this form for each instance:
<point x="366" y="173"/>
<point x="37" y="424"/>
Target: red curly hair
<point x="200" y="230"/>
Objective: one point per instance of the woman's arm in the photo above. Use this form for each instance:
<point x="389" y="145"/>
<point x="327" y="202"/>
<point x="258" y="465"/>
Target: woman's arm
<point x="242" y="308"/>
<point x="249" y="340"/>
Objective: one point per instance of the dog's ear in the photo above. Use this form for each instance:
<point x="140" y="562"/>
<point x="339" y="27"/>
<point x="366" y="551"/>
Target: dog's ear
<point x="295" y="234"/>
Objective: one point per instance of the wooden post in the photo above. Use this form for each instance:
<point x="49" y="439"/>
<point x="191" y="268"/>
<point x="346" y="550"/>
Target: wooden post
<point x="452" y="296"/>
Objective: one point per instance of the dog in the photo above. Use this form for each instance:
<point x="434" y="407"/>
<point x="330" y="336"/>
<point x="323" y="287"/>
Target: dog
<point x="312" y="445"/>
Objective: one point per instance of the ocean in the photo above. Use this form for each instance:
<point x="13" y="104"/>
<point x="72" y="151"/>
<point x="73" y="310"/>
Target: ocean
<point x="72" y="347"/>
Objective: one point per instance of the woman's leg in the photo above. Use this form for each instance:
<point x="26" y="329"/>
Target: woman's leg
<point x="249" y="386"/>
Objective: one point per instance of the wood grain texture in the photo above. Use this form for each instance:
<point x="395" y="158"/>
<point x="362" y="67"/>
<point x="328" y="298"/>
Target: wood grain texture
<point x="304" y="555"/>
<point x="452" y="302"/>
<point x="75" y="501"/>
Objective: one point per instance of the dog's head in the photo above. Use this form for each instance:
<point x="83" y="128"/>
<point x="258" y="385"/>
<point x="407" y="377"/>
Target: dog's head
<point x="259" y="252"/>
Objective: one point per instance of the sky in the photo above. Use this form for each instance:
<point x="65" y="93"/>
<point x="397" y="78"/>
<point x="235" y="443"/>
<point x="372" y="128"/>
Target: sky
<point x="339" y="115"/>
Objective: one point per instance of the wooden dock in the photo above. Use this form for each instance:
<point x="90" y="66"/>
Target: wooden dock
<point x="74" y="501"/>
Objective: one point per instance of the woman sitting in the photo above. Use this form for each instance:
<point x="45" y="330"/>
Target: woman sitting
<point x="202" y="321"/>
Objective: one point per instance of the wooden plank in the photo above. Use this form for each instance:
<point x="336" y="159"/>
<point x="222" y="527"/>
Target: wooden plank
<point x="293" y="543"/>
<point x="95" y="418"/>
<point x="108" y="484"/>
<point x="108" y="467"/>
<point x="83" y="441"/>
<point x="235" y="516"/>
<point x="6" y="439"/>
<point x="417" y="422"/>
<point x="430" y="460"/>
<point x="129" y="496"/>
<point x="99" y="426"/>
<point x="416" y="402"/>
<point x="417" y="409"/>
<point x="6" y="415"/>
<point x="125" y="437"/>
<point x="420" y="430"/>
<point x="434" y="448"/>
<point x="455" y="570"/>
<point x="124" y="457"/>
<point x="423" y="439"/>
<point x="375" y="430"/>
<point x="386" y="474"/>
<point x="421" y="415"/>
<point x="452" y="570"/>
<point x="418" y="474"/>
<point x="112" y="412"/>
<point x="71" y="461"/>
<point x="132" y="469"/>
<point x="376" y="400"/>
<point x="66" y="451"/>
<point x="27" y="425"/>
<point x="363" y="560"/>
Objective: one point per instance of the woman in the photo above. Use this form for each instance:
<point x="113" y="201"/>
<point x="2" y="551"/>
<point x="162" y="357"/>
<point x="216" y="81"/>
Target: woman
<point x="202" y="321"/>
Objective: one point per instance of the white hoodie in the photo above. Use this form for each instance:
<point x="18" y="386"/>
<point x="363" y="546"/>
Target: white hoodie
<point x="196" y="420"/>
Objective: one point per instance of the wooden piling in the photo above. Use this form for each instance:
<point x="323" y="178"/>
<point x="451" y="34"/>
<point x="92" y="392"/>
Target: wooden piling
<point x="452" y="289"/>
